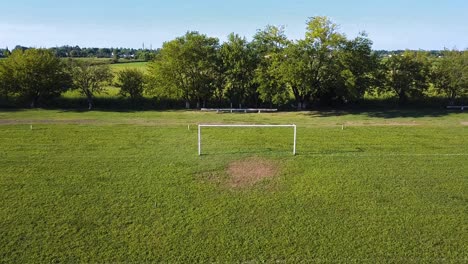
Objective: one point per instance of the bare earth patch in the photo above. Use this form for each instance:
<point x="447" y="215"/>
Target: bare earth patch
<point x="245" y="173"/>
<point x="464" y="123"/>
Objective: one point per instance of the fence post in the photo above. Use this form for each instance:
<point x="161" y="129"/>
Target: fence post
<point x="199" y="140"/>
<point x="295" y="138"/>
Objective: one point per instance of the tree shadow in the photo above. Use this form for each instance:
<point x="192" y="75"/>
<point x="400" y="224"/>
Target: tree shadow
<point x="329" y="152"/>
<point x="247" y="152"/>
<point x="101" y="104"/>
<point x="386" y="114"/>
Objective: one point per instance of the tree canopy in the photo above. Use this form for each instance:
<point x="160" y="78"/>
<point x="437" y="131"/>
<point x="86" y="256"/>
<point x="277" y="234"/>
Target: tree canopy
<point x="185" y="67"/>
<point x="131" y="83"/>
<point x="406" y="75"/>
<point x="90" y="79"/>
<point x="323" y="68"/>
<point x="450" y="74"/>
<point x="33" y="74"/>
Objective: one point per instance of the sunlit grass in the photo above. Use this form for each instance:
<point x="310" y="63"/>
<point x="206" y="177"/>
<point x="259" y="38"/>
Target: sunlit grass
<point x="130" y="187"/>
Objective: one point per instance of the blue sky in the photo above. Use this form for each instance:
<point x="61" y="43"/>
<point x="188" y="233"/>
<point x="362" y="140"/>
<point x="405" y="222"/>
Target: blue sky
<point x="392" y="24"/>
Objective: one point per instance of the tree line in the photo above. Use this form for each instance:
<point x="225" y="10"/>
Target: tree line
<point x="323" y="68"/>
<point x="78" y="52"/>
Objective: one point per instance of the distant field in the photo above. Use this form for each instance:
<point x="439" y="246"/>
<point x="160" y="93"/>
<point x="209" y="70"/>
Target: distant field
<point x="392" y="187"/>
<point x="112" y="90"/>
<point x="137" y="65"/>
<point x="92" y="60"/>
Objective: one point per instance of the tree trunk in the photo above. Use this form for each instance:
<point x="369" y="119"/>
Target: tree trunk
<point x="90" y="102"/>
<point x="453" y="95"/>
<point x="402" y="98"/>
<point x="451" y="101"/>
<point x="299" y="106"/>
<point x="198" y="104"/>
<point x="34" y="102"/>
<point x="187" y="104"/>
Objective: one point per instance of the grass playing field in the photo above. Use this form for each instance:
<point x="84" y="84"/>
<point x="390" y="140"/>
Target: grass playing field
<point x="391" y="187"/>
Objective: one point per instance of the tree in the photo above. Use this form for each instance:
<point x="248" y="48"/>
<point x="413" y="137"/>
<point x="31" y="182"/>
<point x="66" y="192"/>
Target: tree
<point x="305" y="66"/>
<point x="407" y="75"/>
<point x="238" y="65"/>
<point x="292" y="66"/>
<point x="353" y="72"/>
<point x="131" y="83"/>
<point x="90" y="79"/>
<point x="35" y="74"/>
<point x="115" y="56"/>
<point x="450" y="74"/>
<point x="7" y="84"/>
<point x="267" y="46"/>
<point x="146" y="55"/>
<point x="185" y="68"/>
<point x="5" y="53"/>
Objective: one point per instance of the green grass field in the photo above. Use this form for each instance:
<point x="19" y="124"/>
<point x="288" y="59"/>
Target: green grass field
<point x="392" y="187"/>
<point x="136" y="65"/>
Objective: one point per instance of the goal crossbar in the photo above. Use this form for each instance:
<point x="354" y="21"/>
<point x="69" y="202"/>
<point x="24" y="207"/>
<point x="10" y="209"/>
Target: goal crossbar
<point x="200" y="126"/>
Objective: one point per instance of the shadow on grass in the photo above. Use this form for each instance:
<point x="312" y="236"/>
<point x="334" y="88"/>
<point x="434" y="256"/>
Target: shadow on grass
<point x="432" y="107"/>
<point x="329" y="152"/>
<point x="269" y="152"/>
<point x="389" y="108"/>
<point x="386" y="114"/>
<point x="102" y="104"/>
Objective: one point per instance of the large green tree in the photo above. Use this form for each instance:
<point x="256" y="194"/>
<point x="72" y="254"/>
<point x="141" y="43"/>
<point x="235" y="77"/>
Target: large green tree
<point x="306" y="66"/>
<point x="450" y="74"/>
<point x="238" y="69"/>
<point x="352" y="72"/>
<point x="90" y="79"/>
<point x="185" y="68"/>
<point x="407" y="75"/>
<point x="268" y="45"/>
<point x="7" y="85"/>
<point x="34" y="74"/>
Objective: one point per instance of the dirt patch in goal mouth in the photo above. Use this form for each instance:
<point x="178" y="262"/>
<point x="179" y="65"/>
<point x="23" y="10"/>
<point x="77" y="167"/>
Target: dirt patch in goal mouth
<point x="464" y="123"/>
<point x="247" y="172"/>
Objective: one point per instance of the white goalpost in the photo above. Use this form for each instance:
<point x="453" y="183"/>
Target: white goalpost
<point x="200" y="126"/>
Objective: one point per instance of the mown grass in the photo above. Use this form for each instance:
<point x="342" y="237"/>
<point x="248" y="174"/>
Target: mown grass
<point x="129" y="187"/>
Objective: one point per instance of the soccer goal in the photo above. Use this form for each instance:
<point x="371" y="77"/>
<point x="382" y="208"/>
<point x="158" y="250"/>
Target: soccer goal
<point x="244" y="126"/>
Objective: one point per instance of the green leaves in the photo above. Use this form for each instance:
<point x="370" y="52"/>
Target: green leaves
<point x="239" y="65"/>
<point x="450" y="74"/>
<point x="90" y="79"/>
<point x="34" y="74"/>
<point x="131" y="83"/>
<point x="407" y="74"/>
<point x="268" y="46"/>
<point x="185" y="68"/>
